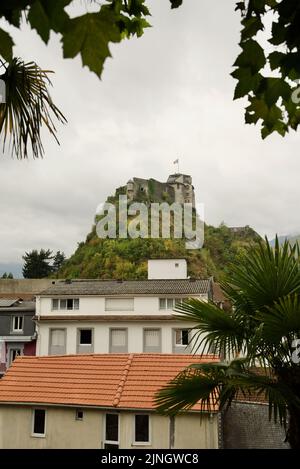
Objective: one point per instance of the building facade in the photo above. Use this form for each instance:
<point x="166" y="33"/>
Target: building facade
<point x="99" y="316"/>
<point x="17" y="330"/>
<point x="98" y="401"/>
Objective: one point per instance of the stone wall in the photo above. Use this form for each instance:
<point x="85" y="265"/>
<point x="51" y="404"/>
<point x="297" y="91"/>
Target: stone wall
<point x="27" y="286"/>
<point x="247" y="425"/>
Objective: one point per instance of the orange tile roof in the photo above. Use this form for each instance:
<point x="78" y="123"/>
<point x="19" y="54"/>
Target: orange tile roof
<point x="127" y="381"/>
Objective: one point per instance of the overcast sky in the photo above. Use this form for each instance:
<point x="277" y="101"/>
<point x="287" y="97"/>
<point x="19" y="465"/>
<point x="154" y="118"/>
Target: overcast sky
<point x="163" y="96"/>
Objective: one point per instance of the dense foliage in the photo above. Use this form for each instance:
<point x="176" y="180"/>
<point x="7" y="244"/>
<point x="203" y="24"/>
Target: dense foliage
<point x="127" y="258"/>
<point x="268" y="76"/>
<point x="7" y="275"/>
<point x="41" y="264"/>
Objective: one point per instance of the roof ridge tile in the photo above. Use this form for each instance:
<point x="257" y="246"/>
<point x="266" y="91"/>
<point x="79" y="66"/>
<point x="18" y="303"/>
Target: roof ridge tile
<point x="122" y="381"/>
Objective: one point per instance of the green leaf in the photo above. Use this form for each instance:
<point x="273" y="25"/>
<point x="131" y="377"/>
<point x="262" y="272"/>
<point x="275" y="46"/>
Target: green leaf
<point x="256" y="110"/>
<point x="137" y="8"/>
<point x="39" y="20"/>
<point x="275" y="59"/>
<point x="279" y="32"/>
<point x="276" y="88"/>
<point x="252" y="56"/>
<point x="45" y="16"/>
<point x="176" y="3"/>
<point x="135" y="26"/>
<point x="89" y="35"/>
<point x="251" y="27"/>
<point x="6" y="45"/>
<point x="247" y="82"/>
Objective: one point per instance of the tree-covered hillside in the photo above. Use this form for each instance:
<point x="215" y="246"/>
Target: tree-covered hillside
<point x="127" y="258"/>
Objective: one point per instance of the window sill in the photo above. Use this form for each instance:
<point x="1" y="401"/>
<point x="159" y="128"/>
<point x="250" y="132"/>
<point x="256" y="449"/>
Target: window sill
<point x="141" y="443"/>
<point x="36" y="435"/>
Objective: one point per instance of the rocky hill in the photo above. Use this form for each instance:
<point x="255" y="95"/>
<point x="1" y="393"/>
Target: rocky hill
<point x="127" y="258"/>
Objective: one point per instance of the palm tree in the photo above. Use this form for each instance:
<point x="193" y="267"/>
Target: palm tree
<point x="27" y="107"/>
<point x="260" y="332"/>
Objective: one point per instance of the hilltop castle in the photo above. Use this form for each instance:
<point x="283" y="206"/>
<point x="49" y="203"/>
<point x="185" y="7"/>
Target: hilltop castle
<point x="178" y="188"/>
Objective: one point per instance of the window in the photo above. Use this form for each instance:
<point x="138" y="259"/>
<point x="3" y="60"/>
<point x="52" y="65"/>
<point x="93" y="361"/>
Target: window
<point x="181" y="341"/>
<point x="111" y="431"/>
<point x="65" y="303"/>
<point x="13" y="353"/>
<point x="85" y="337"/>
<point x="85" y="342"/>
<point x="141" y="428"/>
<point x="119" y="304"/>
<point x="169" y="303"/>
<point x="152" y="340"/>
<point x="57" y="342"/>
<point x="182" y="337"/>
<point x="39" y="422"/>
<point x="17" y="323"/>
<point x="79" y="414"/>
<point x="118" y="341"/>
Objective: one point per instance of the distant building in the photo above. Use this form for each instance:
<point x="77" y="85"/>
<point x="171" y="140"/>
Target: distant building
<point x="17" y="330"/>
<point x="178" y="188"/>
<point x="99" y="401"/>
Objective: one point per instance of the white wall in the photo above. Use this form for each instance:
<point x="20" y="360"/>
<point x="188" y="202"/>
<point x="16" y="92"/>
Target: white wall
<point x="167" y="269"/>
<point x="95" y="305"/>
<point x="65" y="432"/>
<point x="101" y="334"/>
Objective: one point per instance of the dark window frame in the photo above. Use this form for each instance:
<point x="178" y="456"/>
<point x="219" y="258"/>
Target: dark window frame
<point x="144" y="436"/>
<point x="39" y="428"/>
<point x="107" y="430"/>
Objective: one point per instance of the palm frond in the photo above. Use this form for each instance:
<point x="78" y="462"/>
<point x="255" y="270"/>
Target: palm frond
<point x="264" y="276"/>
<point x="282" y="320"/>
<point x="217" y="384"/>
<point x="215" y="329"/>
<point x="28" y="106"/>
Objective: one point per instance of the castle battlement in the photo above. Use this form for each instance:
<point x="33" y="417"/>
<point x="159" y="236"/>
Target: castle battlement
<point x="178" y="188"/>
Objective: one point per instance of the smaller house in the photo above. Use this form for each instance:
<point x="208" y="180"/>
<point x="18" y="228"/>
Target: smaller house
<point x="99" y="401"/>
<point x="17" y="330"/>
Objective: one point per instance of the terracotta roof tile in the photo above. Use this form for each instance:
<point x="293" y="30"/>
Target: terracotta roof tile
<point x="110" y="380"/>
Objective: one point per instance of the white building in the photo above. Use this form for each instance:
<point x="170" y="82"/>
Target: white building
<point x="111" y="316"/>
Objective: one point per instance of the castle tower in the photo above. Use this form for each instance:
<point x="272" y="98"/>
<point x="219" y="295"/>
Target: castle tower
<point x="130" y="189"/>
<point x="183" y="188"/>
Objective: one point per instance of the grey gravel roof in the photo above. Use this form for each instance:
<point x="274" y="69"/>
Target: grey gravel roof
<point x="129" y="287"/>
<point x="5" y="302"/>
<point x="15" y="306"/>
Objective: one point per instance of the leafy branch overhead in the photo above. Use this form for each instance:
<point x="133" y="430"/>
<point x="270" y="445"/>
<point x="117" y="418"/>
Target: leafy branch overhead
<point x="27" y="100"/>
<point x="269" y="78"/>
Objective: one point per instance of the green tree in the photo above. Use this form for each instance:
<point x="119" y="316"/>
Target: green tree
<point x="263" y="326"/>
<point x="267" y="76"/>
<point x="37" y="263"/>
<point x="4" y="275"/>
<point x="58" y="261"/>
